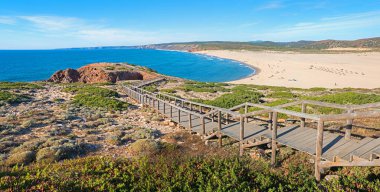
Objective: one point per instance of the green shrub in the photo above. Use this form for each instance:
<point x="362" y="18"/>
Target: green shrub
<point x="347" y="98"/>
<point x="31" y="145"/>
<point x="96" y="101"/>
<point x="144" y="147"/>
<point x="12" y="98"/>
<point x="151" y="88"/>
<point x="282" y="95"/>
<point x="237" y="97"/>
<point x="316" y="89"/>
<point x="96" y="97"/>
<point x="142" y="133"/>
<point x="20" y="158"/>
<point x="47" y="155"/>
<point x="204" y="87"/>
<point x="92" y="90"/>
<point x="168" y="90"/>
<point x="175" y="173"/>
<point x="19" y="85"/>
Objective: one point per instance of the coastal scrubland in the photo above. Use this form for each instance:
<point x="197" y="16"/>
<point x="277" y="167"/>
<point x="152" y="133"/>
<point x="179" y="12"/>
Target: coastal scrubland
<point x="323" y="46"/>
<point x="92" y="137"/>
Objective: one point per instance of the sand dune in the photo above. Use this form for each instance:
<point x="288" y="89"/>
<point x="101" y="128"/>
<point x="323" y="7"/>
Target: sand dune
<point x="357" y="70"/>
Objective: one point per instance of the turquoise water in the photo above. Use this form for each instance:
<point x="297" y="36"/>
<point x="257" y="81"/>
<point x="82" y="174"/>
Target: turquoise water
<point x="41" y="64"/>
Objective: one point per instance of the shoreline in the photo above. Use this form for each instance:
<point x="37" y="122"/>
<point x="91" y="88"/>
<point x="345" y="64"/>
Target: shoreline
<point x="299" y="70"/>
<point x="255" y="69"/>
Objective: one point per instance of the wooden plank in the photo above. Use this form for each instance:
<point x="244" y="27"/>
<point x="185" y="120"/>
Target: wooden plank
<point x="296" y="114"/>
<point x="282" y="131"/>
<point x="310" y="147"/>
<point x="368" y="155"/>
<point x="254" y="132"/>
<point x="365" y="148"/>
<point x="365" y="106"/>
<point x="355" y="115"/>
<point x="298" y="140"/>
<point x="336" y="142"/>
<point x="376" y="151"/>
<point x="291" y="134"/>
<point x="324" y="104"/>
<point x="369" y="148"/>
<point x="349" y="148"/>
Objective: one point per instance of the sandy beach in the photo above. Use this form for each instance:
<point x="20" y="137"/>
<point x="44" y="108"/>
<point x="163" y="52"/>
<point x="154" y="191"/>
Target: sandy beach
<point x="340" y="70"/>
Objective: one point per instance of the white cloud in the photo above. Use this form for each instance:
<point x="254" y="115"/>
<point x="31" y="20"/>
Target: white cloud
<point x="52" y="23"/>
<point x="56" y="31"/>
<point x="311" y="30"/>
<point x="7" y="20"/>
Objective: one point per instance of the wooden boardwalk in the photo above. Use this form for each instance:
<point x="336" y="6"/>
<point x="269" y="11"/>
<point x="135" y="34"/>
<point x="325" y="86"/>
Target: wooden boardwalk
<point x="330" y="149"/>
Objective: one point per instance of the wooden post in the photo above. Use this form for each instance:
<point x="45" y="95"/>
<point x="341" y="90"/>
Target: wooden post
<point x="191" y="106"/>
<point x="220" y="128"/>
<point x="143" y="100"/>
<point x="274" y="139"/>
<point x="241" y="135"/>
<point x="245" y="112"/>
<point x="179" y="116"/>
<point x="203" y="126"/>
<point x="171" y="112"/>
<point x="164" y="108"/>
<point x="303" y="110"/>
<point x="348" y="127"/>
<point x="190" y="121"/>
<point x="318" y="150"/>
<point x="158" y="107"/>
<point x="270" y="121"/>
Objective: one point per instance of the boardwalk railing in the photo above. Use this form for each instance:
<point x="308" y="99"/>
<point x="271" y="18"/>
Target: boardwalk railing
<point x="329" y="149"/>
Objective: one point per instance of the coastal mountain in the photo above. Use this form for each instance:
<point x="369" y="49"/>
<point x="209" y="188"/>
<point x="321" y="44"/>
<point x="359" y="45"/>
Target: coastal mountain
<point x="369" y="43"/>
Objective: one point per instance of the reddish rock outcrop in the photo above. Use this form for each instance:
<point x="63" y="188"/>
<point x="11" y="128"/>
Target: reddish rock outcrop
<point x="65" y="76"/>
<point x="101" y="72"/>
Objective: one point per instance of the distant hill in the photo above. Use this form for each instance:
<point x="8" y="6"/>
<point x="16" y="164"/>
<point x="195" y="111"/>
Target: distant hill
<point x="369" y="43"/>
<point x="372" y="44"/>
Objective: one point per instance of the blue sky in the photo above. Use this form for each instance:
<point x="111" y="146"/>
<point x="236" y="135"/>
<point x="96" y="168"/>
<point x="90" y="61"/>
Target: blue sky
<point x="44" y="24"/>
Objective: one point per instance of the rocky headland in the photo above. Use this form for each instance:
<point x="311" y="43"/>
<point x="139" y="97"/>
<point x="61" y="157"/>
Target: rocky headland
<point x="101" y="73"/>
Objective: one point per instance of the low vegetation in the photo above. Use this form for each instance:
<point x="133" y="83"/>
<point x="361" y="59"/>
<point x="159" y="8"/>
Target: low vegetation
<point x="96" y="97"/>
<point x="347" y="98"/>
<point x="12" y="98"/>
<point x="176" y="173"/>
<point x="151" y="88"/>
<point x="18" y="85"/>
<point x="204" y="87"/>
<point x="238" y="96"/>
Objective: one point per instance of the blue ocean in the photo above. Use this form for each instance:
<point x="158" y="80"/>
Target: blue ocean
<point x="41" y="64"/>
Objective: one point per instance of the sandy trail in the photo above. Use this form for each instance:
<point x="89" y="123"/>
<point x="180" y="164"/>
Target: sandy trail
<point x="340" y="70"/>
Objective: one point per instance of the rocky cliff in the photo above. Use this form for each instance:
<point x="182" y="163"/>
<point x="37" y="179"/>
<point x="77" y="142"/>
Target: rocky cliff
<point x="102" y="72"/>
